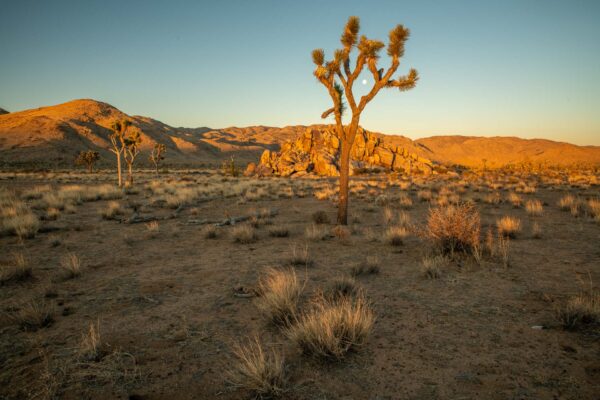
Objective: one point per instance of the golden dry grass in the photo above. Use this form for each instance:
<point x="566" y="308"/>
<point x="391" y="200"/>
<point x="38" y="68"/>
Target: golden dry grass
<point x="454" y="228"/>
<point x="280" y="292"/>
<point x="258" y="370"/>
<point x="17" y="271"/>
<point x="395" y="235"/>
<point x="244" y="234"/>
<point x="331" y="329"/>
<point x="508" y="226"/>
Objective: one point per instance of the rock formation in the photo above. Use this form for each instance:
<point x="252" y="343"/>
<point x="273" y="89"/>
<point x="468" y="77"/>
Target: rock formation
<point x="317" y="151"/>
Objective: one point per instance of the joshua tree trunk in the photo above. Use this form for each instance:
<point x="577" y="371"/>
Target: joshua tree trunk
<point x="119" y="173"/>
<point x="90" y="168"/>
<point x="342" y="218"/>
<point x="130" y="173"/>
<point x="156" y="168"/>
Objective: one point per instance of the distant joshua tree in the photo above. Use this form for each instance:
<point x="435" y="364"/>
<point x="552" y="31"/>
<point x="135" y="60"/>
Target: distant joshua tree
<point x="124" y="144"/>
<point x="87" y="158"/>
<point x="338" y="78"/>
<point x="132" y="143"/>
<point x="157" y="154"/>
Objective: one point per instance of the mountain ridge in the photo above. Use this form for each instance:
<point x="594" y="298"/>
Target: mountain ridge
<point x="55" y="134"/>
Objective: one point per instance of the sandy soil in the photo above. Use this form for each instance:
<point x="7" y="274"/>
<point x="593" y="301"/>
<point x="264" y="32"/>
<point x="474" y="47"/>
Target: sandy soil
<point x="165" y="303"/>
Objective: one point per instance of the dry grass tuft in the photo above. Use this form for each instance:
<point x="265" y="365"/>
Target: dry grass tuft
<point x="34" y="315"/>
<point x="454" y="228"/>
<point x="331" y="329"/>
<point x="320" y="217"/>
<point x="18" y="271"/>
<point x="395" y="235"/>
<point x="316" y="232"/>
<point x="534" y="208"/>
<point x="244" y="234"/>
<point x="536" y="231"/>
<point x="261" y="372"/>
<point x="279" y="292"/>
<point x="90" y="346"/>
<point x="341" y="232"/>
<point x="113" y="209"/>
<point x="432" y="266"/>
<point x="508" y="226"/>
<point x="210" y="232"/>
<point x="368" y="267"/>
<point x="300" y="258"/>
<point x="70" y="266"/>
<point x="566" y="202"/>
<point x="582" y="309"/>
<point x="279" y="231"/>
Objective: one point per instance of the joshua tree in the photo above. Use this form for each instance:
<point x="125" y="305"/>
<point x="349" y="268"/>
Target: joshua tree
<point x="338" y="77"/>
<point x="87" y="158"/>
<point x="131" y="144"/>
<point x="117" y="138"/>
<point x="157" y="154"/>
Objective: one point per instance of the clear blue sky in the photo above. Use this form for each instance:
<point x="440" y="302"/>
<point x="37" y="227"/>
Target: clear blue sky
<point x="519" y="68"/>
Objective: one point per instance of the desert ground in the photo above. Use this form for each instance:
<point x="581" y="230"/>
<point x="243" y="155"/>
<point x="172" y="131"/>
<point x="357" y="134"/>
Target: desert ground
<point x="157" y="291"/>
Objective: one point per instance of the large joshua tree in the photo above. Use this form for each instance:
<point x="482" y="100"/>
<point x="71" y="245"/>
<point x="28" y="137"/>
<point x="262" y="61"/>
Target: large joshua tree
<point x="338" y="77"/>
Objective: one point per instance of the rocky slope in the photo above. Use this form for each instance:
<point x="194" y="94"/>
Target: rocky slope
<point x="317" y="150"/>
<point x="52" y="136"/>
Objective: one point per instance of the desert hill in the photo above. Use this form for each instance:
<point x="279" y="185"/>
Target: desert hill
<point x="3" y="111"/>
<point x="54" y="135"/>
<point x="500" y="150"/>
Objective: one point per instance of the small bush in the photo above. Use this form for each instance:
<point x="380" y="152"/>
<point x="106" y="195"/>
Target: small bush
<point x="279" y="231"/>
<point x="210" y="232"/>
<point x="279" y="295"/>
<point x="320" y="217"/>
<point x="342" y="288"/>
<point x="261" y="372"/>
<point x="35" y="315"/>
<point x="300" y="258"/>
<point x="244" y="234"/>
<point x="112" y="210"/>
<point x="90" y="346"/>
<point x="579" y="310"/>
<point x="341" y="232"/>
<point x="368" y="267"/>
<point x="508" y="226"/>
<point x="432" y="266"/>
<point x="566" y="202"/>
<point x="18" y="271"/>
<point x="70" y="266"/>
<point x="331" y="329"/>
<point x="534" y="208"/>
<point x="395" y="235"/>
<point x="316" y="232"/>
<point x="454" y="228"/>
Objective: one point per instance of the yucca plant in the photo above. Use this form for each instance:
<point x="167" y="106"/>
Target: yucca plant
<point x="338" y="77"/>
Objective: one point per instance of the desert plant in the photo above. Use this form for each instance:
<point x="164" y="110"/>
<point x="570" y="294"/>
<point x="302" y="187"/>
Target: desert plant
<point x="369" y="266"/>
<point x="210" y="232"/>
<point x="112" y="210"/>
<point x="331" y="329"/>
<point x="316" y="232"/>
<point x="279" y="231"/>
<point x="87" y="158"/>
<point x="244" y="234"/>
<point x="432" y="266"/>
<point x="300" y="257"/>
<point x="338" y="78"/>
<point x="320" y="217"/>
<point x="34" y="315"/>
<point x="258" y="370"/>
<point x="395" y="235"/>
<point x="279" y="292"/>
<point x="454" y="227"/>
<point x="70" y="266"/>
<point x="117" y="139"/>
<point x="342" y="288"/>
<point x="581" y="309"/>
<point x="19" y="270"/>
<point x="131" y="143"/>
<point x="90" y="345"/>
<point x="158" y="154"/>
<point x="504" y="250"/>
<point x="534" y="208"/>
<point x="536" y="230"/>
<point x="230" y="168"/>
<point x="508" y="226"/>
<point x="566" y="202"/>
